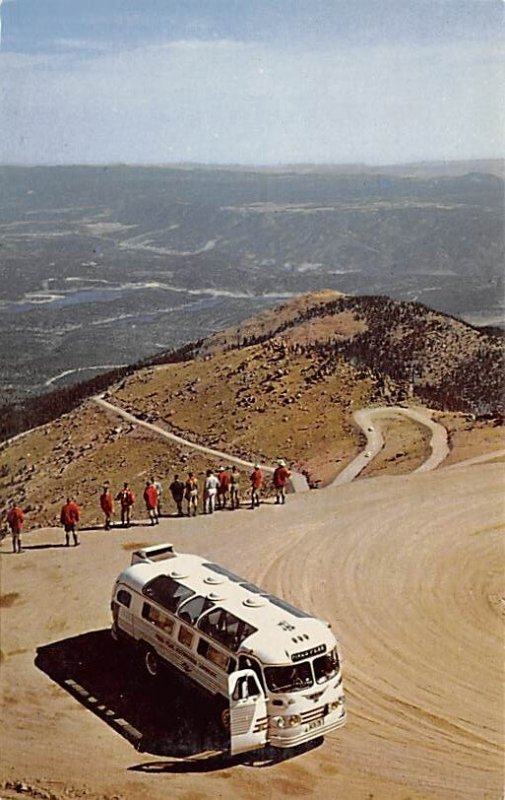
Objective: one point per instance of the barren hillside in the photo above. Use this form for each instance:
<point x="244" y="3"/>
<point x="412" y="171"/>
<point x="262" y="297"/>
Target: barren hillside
<point x="286" y="384"/>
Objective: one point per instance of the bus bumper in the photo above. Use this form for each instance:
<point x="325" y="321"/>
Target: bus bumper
<point x="291" y="737"/>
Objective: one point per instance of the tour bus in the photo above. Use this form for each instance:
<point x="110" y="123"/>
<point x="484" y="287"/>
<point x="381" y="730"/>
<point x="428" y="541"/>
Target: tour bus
<point x="274" y="669"/>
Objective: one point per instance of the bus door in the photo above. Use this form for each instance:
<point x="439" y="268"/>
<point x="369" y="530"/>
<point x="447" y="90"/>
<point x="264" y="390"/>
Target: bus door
<point x="248" y="712"/>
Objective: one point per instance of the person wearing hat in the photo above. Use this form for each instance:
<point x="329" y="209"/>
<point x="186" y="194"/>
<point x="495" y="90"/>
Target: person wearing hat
<point x="256" y="478"/>
<point x="280" y="481"/>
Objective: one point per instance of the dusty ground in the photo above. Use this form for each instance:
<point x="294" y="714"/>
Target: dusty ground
<point x="408" y="569"/>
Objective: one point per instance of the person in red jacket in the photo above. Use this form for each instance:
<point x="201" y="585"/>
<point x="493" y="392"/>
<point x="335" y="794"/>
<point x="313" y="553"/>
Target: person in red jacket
<point x="223" y="476"/>
<point x="15" y="519"/>
<point x="126" y="499"/>
<point x="107" y="506"/>
<point x="256" y="478"/>
<point x="69" y="517"/>
<point x="151" y="501"/>
<point x="280" y="480"/>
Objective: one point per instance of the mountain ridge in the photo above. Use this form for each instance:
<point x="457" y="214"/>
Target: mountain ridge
<point x="286" y="384"/>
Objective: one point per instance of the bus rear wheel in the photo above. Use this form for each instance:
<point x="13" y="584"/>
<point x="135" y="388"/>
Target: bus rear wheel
<point x="151" y="663"/>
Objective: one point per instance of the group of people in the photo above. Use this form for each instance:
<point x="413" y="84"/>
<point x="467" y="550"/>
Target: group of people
<point x="69" y="517"/>
<point x="221" y="490"/>
<point x="126" y="499"/>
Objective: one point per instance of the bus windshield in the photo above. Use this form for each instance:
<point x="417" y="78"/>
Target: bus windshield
<point x="326" y="667"/>
<point x="289" y="679"/>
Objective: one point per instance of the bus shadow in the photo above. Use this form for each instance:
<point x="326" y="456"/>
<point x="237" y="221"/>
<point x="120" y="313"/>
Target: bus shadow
<point x="263" y="757"/>
<point x="163" y="717"/>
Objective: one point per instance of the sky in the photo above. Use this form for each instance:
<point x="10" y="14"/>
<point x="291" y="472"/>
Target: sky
<point x="261" y="82"/>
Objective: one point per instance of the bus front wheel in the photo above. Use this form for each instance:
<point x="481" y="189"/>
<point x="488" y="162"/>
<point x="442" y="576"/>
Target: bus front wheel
<point x="151" y="663"/>
<point x="225" y="719"/>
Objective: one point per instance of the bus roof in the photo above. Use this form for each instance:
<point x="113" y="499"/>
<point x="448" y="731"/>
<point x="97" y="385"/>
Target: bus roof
<point x="283" y="633"/>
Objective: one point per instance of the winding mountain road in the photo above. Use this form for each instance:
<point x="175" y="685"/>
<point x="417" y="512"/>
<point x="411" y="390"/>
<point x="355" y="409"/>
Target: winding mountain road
<point x="365" y="418"/>
<point x="298" y="481"/>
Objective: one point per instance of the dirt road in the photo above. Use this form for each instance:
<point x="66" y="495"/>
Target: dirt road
<point x="409" y="574"/>
<point x="368" y="418"/>
<point x="298" y="481"/>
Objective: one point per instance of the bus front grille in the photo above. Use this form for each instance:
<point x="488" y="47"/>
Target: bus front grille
<point x="313" y="714"/>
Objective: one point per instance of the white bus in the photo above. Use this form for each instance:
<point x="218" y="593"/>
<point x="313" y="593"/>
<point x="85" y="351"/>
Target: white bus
<point x="274" y="669"/>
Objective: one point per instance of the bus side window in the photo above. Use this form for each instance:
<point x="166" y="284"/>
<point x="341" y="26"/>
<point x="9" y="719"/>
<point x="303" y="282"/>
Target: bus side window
<point x="225" y="628"/>
<point x="124" y="598"/>
<point x="185" y="636"/>
<point x="217" y="657"/>
<point x="158" y="618"/>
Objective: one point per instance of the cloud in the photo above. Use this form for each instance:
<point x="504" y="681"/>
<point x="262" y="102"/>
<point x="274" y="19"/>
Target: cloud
<point x="226" y="101"/>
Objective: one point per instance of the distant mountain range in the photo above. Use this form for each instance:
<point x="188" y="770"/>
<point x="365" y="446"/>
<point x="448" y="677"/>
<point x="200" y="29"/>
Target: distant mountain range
<point x="103" y="266"/>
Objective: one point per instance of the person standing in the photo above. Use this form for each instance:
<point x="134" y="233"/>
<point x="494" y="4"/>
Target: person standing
<point x="191" y="494"/>
<point x="256" y="478"/>
<point x="151" y="501"/>
<point x="159" y="488"/>
<point x="234" y="487"/>
<point x="177" y="492"/>
<point x="280" y="481"/>
<point x="210" y="492"/>
<point x="224" y="486"/>
<point x="126" y="499"/>
<point x="15" y="519"/>
<point x="107" y="506"/>
<point x="69" y="517"/>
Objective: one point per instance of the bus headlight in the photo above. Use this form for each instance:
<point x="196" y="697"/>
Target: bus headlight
<point x="336" y="705"/>
<point x="287" y="722"/>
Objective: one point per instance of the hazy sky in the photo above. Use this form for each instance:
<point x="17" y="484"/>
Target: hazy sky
<point x="250" y="81"/>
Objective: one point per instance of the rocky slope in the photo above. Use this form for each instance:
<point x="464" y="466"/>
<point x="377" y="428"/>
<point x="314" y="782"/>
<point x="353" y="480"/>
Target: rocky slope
<point x="282" y="384"/>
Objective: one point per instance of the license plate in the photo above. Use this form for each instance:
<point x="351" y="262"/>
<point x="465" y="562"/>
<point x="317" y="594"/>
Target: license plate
<point x="317" y="723"/>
